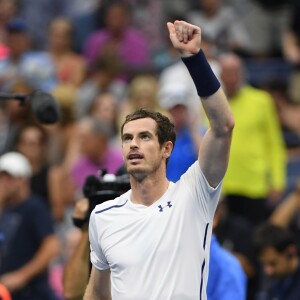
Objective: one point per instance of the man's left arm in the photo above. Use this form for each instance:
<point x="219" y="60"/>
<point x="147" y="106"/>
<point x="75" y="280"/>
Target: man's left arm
<point x="215" y="145"/>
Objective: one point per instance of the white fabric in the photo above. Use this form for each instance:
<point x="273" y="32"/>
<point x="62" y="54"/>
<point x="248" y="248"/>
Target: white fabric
<point x="160" y="252"/>
<point x="15" y="164"/>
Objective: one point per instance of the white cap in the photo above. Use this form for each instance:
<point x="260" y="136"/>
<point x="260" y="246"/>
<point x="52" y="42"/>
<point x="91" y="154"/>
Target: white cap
<point x="173" y="94"/>
<point x="15" y="164"/>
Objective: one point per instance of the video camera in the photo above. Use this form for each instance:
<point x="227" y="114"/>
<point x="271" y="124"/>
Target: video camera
<point x="106" y="187"/>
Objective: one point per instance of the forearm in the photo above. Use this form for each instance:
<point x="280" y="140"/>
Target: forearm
<point x="76" y="272"/>
<point x="91" y="293"/>
<point x="283" y="214"/>
<point x="215" y="144"/>
<point x="214" y="156"/>
<point x="209" y="89"/>
<point x="219" y="114"/>
<point x="291" y="47"/>
<point x="98" y="287"/>
<point x="40" y="262"/>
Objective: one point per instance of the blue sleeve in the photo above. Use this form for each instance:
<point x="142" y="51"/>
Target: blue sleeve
<point x="226" y="280"/>
<point x="231" y="286"/>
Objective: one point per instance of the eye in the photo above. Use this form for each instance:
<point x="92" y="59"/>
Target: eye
<point x="126" y="138"/>
<point x="145" y="137"/>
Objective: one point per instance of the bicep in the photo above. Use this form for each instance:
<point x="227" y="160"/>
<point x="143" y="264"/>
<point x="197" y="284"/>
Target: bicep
<point x="99" y="285"/>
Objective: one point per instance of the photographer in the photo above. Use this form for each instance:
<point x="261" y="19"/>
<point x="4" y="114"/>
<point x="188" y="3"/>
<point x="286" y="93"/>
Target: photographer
<point x="77" y="269"/>
<point x="96" y="191"/>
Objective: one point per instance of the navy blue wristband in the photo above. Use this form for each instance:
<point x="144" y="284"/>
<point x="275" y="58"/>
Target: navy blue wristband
<point x="204" y="78"/>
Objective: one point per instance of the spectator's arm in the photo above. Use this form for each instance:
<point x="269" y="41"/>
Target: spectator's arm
<point x="291" y="48"/>
<point x="17" y="279"/>
<point x="284" y="212"/>
<point x="277" y="157"/>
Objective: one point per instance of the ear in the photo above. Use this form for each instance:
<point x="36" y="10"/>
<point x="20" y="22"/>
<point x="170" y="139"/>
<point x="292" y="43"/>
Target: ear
<point x="168" y="147"/>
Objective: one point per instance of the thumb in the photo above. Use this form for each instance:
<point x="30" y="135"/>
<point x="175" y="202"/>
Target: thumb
<point x="171" y="28"/>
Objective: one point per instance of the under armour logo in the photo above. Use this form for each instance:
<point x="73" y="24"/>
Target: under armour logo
<point x="161" y="208"/>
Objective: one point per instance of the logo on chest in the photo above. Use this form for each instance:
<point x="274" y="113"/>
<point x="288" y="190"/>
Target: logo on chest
<point x="161" y="207"/>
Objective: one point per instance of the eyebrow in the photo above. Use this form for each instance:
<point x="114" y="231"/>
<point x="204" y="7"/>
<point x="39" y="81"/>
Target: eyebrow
<point x="145" y="132"/>
<point x="140" y="133"/>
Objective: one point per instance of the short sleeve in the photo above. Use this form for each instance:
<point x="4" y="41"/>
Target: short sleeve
<point x="204" y="196"/>
<point x="97" y="256"/>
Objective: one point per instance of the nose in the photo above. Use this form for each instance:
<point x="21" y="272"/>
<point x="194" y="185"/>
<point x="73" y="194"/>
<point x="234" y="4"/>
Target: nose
<point x="133" y="144"/>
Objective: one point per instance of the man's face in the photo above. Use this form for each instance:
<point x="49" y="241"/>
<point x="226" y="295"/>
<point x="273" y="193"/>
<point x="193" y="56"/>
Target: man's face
<point x="31" y="144"/>
<point x="117" y="19"/>
<point x="231" y="74"/>
<point x="9" y="187"/>
<point x="179" y="115"/>
<point x="276" y="264"/>
<point x="18" y="43"/>
<point x="91" y="144"/>
<point x="142" y="152"/>
<point x="60" y="35"/>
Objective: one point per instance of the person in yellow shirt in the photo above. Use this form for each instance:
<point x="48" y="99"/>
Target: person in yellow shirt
<point x="256" y="173"/>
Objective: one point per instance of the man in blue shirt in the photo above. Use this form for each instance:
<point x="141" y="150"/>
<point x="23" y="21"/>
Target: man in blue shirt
<point x="226" y="280"/>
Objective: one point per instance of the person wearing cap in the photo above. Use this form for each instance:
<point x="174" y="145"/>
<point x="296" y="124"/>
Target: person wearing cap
<point x="29" y="244"/>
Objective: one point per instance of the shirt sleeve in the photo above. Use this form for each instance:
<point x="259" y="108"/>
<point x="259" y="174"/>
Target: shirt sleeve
<point x="97" y="256"/>
<point x="205" y="196"/>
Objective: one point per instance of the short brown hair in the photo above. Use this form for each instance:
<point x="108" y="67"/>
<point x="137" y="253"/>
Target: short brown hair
<point x="165" y="128"/>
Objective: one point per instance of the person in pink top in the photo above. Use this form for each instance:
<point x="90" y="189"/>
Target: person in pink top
<point x="118" y="38"/>
<point x="96" y="152"/>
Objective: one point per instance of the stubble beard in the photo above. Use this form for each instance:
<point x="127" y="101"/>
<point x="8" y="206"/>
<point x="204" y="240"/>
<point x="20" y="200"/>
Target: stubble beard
<point x="141" y="174"/>
<point x="138" y="175"/>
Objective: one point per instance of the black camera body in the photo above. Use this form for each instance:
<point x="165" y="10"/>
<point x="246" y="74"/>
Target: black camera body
<point x="107" y="187"/>
<point x="100" y="189"/>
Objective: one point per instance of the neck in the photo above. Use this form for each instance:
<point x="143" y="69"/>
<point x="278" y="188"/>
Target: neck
<point x="148" y="190"/>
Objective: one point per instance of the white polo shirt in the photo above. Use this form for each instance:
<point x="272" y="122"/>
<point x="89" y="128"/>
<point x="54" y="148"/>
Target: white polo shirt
<point x="157" y="252"/>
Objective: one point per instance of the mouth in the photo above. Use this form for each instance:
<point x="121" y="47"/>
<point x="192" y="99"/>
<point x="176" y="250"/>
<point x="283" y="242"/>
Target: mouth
<point x="135" y="157"/>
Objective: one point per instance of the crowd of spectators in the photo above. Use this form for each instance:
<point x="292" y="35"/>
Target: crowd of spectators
<point x="103" y="59"/>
